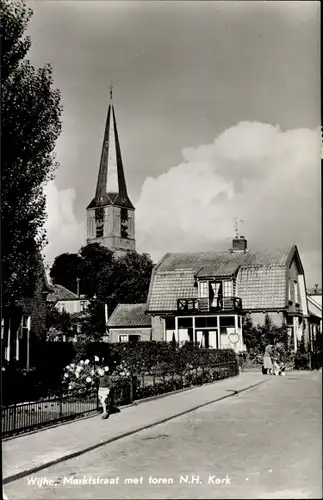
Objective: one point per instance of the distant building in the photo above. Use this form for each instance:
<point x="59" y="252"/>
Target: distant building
<point x="129" y="323"/>
<point x="26" y="320"/>
<point x="314" y="299"/>
<point x="203" y="297"/>
<point x="111" y="215"/>
<point x="66" y="301"/>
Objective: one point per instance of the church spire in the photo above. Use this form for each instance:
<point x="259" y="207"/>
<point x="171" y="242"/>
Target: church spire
<point x="111" y="186"/>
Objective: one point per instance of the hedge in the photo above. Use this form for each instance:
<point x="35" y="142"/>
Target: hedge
<point x="181" y="364"/>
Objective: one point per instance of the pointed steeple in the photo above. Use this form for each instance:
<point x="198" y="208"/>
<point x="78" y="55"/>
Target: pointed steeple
<point x="111" y="186"/>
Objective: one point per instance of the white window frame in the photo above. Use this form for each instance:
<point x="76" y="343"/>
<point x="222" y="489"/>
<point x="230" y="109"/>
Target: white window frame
<point x="296" y="298"/>
<point x="227" y="285"/>
<point x="204" y="292"/>
<point x="290" y="298"/>
<point x="127" y="335"/>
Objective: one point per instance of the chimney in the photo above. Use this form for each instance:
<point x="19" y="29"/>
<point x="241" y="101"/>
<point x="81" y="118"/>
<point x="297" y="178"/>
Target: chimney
<point x="239" y="244"/>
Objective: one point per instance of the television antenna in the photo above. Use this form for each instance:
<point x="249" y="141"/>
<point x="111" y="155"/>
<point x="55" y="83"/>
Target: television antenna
<point x="236" y="222"/>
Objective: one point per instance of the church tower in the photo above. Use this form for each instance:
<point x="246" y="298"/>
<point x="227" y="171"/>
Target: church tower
<point x="111" y="215"/>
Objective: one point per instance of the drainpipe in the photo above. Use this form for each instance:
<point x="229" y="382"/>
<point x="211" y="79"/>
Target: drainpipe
<point x="28" y="341"/>
<point x="106" y="319"/>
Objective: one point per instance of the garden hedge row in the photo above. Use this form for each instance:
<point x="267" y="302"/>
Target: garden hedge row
<point x="142" y="358"/>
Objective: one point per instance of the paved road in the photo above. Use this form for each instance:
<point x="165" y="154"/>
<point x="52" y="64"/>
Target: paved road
<point x="263" y="443"/>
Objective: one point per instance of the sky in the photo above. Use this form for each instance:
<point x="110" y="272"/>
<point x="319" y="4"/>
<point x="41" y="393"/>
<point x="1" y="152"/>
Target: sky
<point x="218" y="112"/>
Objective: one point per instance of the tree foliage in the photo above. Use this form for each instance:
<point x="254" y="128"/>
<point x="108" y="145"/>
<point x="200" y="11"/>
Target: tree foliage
<point x="57" y="323"/>
<point x="105" y="279"/>
<point x="30" y="126"/>
<point x="258" y="337"/>
<point x="67" y="267"/>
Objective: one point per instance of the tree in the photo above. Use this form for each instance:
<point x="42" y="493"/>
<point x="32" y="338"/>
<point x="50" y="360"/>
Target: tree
<point x="66" y="269"/>
<point x="84" y="265"/>
<point x="96" y="259"/>
<point x="57" y="323"/>
<point x="30" y="126"/>
<point x="121" y="280"/>
<point x="257" y="337"/>
<point x="105" y="279"/>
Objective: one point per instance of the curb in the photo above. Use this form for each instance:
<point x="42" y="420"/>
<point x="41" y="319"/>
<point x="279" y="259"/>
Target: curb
<point x="94" y="413"/>
<point x="33" y="470"/>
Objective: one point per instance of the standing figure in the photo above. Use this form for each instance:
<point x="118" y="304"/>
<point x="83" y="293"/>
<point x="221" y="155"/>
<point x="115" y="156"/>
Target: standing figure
<point x="105" y="392"/>
<point x="267" y="361"/>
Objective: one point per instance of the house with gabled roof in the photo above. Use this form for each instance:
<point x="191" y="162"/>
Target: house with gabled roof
<point x="203" y="297"/>
<point x="74" y="304"/>
<point x="129" y="323"/>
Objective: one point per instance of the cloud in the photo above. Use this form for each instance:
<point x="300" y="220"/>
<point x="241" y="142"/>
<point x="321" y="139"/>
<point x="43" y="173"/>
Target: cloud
<point x="64" y="232"/>
<point x="268" y="177"/>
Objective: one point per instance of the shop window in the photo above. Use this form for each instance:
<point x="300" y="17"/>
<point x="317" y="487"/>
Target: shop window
<point x="185" y="323"/>
<point x="206" y="322"/>
<point x="227" y="321"/>
<point x="170" y="323"/>
<point x="200" y="322"/>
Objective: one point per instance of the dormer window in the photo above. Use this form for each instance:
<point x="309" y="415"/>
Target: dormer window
<point x="218" y="289"/>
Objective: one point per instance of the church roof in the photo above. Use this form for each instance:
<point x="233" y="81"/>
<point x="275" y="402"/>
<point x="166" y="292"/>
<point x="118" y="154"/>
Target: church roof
<point x="111" y="186"/>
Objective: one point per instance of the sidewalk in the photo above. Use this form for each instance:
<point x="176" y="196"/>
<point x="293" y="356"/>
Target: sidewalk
<point x="28" y="454"/>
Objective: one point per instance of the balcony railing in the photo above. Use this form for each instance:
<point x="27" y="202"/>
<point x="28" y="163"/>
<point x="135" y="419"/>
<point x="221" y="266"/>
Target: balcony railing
<point x="206" y="305"/>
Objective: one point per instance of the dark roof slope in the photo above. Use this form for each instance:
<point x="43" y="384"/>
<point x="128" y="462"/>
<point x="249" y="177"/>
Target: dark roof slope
<point x="229" y="261"/>
<point x="59" y="292"/>
<point x="127" y="315"/>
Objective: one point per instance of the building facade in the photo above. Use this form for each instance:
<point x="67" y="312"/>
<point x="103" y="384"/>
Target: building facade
<point x="129" y="323"/>
<point x="67" y="301"/>
<point x="25" y="321"/>
<point x="203" y="297"/>
<point x="111" y="215"/>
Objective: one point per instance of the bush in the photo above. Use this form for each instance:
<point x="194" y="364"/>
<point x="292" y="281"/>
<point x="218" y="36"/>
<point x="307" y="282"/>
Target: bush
<point x="179" y="366"/>
<point x="302" y="361"/>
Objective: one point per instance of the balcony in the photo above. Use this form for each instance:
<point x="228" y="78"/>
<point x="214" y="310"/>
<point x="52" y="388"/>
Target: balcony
<point x="205" y="305"/>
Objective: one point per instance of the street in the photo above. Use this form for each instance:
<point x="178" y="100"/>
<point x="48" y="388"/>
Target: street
<point x="262" y="443"/>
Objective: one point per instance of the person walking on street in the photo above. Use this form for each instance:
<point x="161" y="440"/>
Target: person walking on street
<point x="267" y="360"/>
<point x="105" y="392"/>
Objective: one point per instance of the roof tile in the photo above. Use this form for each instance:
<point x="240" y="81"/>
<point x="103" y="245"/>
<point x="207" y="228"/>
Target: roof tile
<point x="127" y="315"/>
